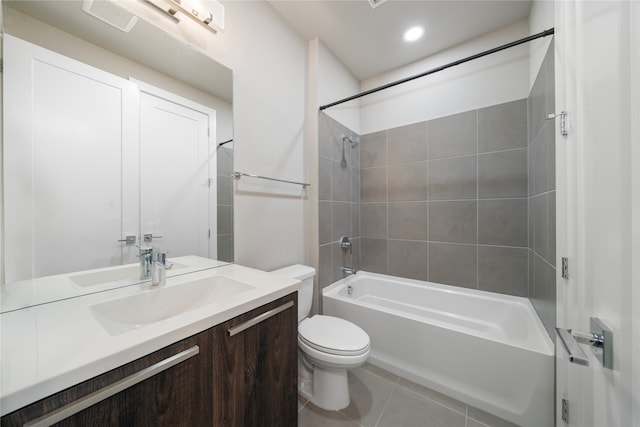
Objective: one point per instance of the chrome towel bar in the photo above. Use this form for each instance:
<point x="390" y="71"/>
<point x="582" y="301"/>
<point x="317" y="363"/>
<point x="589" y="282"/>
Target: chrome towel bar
<point x="238" y="175"/>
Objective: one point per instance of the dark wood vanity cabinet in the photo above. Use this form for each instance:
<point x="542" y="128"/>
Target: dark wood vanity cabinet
<point x="176" y="396"/>
<point x="209" y="379"/>
<point x="256" y="369"/>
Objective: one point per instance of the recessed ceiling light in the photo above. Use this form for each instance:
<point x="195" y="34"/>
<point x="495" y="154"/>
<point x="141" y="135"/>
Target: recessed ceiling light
<point x="413" y="33"/>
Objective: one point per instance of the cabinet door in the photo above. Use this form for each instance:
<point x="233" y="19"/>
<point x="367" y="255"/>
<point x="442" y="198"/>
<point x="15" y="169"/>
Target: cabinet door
<point x="180" y="395"/>
<point x="256" y="369"/>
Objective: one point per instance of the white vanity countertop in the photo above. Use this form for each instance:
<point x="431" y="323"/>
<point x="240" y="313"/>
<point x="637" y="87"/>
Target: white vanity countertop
<point x="25" y="293"/>
<point x="50" y="347"/>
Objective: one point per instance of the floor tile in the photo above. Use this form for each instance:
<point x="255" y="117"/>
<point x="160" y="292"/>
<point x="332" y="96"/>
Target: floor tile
<point x="434" y="396"/>
<point x="408" y="409"/>
<point x="312" y="416"/>
<point x="301" y="402"/>
<point x="382" y="399"/>
<point x="373" y="369"/>
<point x="487" y="418"/>
<point x="369" y="394"/>
<point x="474" y="423"/>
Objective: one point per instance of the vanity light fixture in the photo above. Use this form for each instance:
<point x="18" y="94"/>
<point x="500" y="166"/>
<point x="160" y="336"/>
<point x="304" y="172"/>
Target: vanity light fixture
<point x="213" y="19"/>
<point x="413" y="33"/>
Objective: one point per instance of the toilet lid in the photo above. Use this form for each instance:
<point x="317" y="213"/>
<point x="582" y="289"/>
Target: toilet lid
<point x="333" y="335"/>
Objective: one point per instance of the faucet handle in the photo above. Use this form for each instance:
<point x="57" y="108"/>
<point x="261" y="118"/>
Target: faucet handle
<point x="161" y="257"/>
<point x="345" y="244"/>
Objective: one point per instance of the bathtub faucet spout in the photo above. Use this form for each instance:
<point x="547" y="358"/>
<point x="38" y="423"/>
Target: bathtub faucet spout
<point x="349" y="270"/>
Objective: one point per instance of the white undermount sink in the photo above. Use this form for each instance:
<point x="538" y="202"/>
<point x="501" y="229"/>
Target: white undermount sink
<point x="131" y="312"/>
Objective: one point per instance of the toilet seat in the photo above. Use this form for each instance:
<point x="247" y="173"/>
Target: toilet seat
<point x="332" y="335"/>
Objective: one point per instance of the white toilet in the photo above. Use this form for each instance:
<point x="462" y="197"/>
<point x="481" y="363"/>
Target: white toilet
<point x="327" y="347"/>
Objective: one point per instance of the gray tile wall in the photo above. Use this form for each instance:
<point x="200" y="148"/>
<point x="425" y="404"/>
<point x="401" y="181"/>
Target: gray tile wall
<point x="339" y="201"/>
<point x="466" y="200"/>
<point x="225" y="204"/>
<point x="542" y="195"/>
<point x="447" y="200"/>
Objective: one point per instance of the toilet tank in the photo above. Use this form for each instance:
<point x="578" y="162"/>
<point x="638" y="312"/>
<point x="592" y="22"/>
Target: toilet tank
<point x="305" y="274"/>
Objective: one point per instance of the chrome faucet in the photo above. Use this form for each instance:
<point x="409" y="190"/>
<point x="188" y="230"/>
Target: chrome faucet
<point x="160" y="267"/>
<point x="146" y="259"/>
<point x="349" y="270"/>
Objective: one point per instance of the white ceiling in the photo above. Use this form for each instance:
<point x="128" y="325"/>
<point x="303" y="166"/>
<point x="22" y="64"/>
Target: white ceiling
<point x="369" y="41"/>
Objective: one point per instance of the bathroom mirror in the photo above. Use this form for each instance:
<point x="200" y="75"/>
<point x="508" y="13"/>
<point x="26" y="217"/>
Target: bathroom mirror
<point x="162" y="69"/>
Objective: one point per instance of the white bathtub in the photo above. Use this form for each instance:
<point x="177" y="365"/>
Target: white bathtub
<point x="488" y="350"/>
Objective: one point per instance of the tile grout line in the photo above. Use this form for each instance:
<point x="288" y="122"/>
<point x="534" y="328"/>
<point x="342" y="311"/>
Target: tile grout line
<point x="477" y="207"/>
<point x="386" y="145"/>
<point x="444" y="158"/>
<point x="384" y="408"/>
<point x="426" y="201"/>
<point x="466" y="416"/>
<point x="423" y="397"/>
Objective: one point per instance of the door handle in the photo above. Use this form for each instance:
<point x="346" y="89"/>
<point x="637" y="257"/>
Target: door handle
<point x="600" y="339"/>
<point x="149" y="237"/>
<point x="130" y="239"/>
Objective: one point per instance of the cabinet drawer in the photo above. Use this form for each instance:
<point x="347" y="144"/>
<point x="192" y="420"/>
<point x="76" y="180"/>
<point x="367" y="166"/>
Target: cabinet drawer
<point x="164" y="388"/>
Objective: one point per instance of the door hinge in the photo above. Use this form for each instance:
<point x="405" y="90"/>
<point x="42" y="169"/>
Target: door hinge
<point x="1" y="65"/>
<point x="565" y="411"/>
<point x="565" y="267"/>
<point x="209" y="233"/>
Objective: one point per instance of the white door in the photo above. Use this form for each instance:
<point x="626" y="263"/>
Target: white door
<point x="178" y="199"/>
<point x="598" y="170"/>
<point x="70" y="142"/>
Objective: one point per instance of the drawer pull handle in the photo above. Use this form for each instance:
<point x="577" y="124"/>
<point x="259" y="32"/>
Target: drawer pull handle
<point x="262" y="317"/>
<point x="108" y="391"/>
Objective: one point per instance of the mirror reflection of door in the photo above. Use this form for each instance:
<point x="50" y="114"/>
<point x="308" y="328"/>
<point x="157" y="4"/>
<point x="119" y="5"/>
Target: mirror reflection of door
<point x="69" y="136"/>
<point x="73" y="172"/>
<point x="178" y="208"/>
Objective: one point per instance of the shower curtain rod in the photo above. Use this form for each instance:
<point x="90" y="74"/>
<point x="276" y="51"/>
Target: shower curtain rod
<point x="443" y="67"/>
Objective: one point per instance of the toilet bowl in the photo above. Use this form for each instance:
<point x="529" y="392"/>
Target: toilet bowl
<point x="327" y="347"/>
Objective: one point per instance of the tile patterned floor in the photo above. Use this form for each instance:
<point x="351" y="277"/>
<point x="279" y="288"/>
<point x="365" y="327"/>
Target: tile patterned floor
<point x="382" y="399"/>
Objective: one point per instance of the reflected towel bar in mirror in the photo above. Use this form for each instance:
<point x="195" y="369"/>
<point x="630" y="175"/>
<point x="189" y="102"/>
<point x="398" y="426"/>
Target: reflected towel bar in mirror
<point x="238" y="175"/>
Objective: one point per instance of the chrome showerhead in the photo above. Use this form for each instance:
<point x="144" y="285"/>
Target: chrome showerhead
<point x="354" y="141"/>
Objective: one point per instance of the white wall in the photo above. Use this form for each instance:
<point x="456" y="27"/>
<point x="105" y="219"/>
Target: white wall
<point x="268" y="59"/>
<point x="1" y="159"/>
<point x="336" y="82"/>
<point x="540" y="19"/>
<point x="494" y="79"/>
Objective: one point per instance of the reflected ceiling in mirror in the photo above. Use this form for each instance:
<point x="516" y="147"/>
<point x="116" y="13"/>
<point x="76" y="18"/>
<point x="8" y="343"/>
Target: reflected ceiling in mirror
<point x="145" y="44"/>
<point x="151" y="56"/>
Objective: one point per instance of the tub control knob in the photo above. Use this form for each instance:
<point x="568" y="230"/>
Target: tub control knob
<point x="345" y="244"/>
